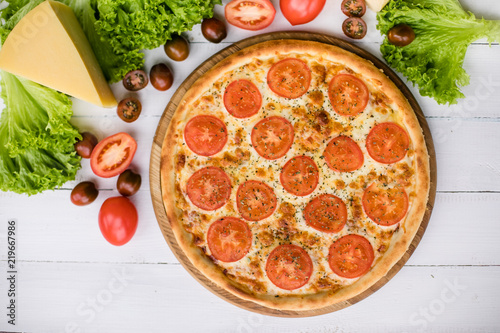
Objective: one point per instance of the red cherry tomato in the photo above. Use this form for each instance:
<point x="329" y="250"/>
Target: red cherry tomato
<point x="301" y="11"/>
<point x="118" y="220"/>
<point x="250" y="14"/>
<point x="113" y="155"/>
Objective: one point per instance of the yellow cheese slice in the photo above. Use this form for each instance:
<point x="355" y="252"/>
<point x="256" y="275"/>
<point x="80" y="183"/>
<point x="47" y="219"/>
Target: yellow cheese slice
<point x="48" y="46"/>
<point x="376" y="5"/>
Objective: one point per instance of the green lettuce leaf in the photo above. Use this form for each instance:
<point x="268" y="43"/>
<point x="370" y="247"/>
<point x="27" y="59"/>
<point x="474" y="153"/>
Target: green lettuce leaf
<point x="143" y="24"/>
<point x="36" y="139"/>
<point x="115" y="62"/>
<point x="434" y="60"/>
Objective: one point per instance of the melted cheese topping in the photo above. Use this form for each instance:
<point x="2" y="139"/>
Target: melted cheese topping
<point x="315" y="124"/>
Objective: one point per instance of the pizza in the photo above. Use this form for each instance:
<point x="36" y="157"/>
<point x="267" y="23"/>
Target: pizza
<point x="294" y="174"/>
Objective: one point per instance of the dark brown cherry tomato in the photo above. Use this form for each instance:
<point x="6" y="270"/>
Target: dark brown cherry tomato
<point x="354" y="27"/>
<point x="161" y="77"/>
<point x="84" y="193"/>
<point x="177" y="48"/>
<point x="213" y="30"/>
<point x="401" y="35"/>
<point x="135" y="80"/>
<point x="352" y="8"/>
<point x="129" y="109"/>
<point x="128" y="183"/>
<point x="85" y="146"/>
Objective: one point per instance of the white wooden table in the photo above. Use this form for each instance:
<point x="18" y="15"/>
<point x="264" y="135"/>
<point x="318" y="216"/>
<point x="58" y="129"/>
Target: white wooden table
<point x="69" y="279"/>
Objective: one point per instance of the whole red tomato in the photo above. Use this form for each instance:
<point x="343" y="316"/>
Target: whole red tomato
<point x="301" y="11"/>
<point x="118" y="220"/>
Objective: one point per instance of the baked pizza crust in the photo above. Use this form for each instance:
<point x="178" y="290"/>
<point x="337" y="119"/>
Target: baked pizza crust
<point x="400" y="241"/>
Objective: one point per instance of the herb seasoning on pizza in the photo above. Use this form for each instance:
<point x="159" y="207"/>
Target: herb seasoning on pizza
<point x="294" y="174"/>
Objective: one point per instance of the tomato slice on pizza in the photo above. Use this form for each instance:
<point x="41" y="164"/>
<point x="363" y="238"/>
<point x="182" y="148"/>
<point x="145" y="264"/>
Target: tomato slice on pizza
<point x="385" y="206"/>
<point x="387" y="143"/>
<point x="326" y="213"/>
<point x="272" y="137"/>
<point x="351" y="256"/>
<point x="209" y="188"/>
<point x="255" y="200"/>
<point x="348" y="94"/>
<point x="229" y="239"/>
<point x="300" y="176"/>
<point x="343" y="154"/>
<point x="289" y="78"/>
<point x="205" y="135"/>
<point x="289" y="267"/>
<point x="242" y="99"/>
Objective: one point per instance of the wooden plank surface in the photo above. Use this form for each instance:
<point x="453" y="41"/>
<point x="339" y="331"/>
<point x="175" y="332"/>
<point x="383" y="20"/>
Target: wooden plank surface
<point x="164" y="298"/>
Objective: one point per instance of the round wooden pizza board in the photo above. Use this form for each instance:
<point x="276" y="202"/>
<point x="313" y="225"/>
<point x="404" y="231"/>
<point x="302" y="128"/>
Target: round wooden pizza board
<point x="155" y="186"/>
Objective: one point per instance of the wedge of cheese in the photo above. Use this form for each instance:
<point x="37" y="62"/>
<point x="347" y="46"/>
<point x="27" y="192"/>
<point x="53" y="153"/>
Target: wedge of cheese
<point x="376" y="5"/>
<point x="48" y="46"/>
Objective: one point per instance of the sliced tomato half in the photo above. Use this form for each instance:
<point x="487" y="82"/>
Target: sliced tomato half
<point x="250" y="14"/>
<point x="113" y="155"/>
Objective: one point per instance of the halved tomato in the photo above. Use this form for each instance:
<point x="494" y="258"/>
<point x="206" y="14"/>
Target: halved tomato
<point x="250" y="14"/>
<point x="113" y="155"/>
